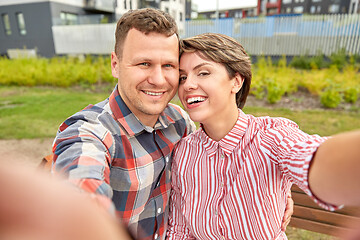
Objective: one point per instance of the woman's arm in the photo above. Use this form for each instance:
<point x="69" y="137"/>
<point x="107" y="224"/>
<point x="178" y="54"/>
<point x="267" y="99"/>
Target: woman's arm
<point x="334" y="175"/>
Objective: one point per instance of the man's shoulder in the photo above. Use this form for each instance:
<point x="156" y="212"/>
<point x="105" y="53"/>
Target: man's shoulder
<point x="177" y="114"/>
<point x="91" y="114"/>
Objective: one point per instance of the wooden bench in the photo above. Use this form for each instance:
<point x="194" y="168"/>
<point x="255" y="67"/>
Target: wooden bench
<point x="309" y="216"/>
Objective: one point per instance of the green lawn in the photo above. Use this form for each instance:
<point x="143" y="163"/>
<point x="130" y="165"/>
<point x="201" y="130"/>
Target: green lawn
<point x="36" y="112"/>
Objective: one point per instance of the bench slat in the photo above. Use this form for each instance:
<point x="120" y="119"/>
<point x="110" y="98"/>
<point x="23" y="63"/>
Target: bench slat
<point x="318" y="227"/>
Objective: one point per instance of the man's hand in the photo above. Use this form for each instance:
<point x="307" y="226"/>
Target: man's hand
<point x="289" y="210"/>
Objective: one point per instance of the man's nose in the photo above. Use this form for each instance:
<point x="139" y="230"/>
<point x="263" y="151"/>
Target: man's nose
<point x="157" y="76"/>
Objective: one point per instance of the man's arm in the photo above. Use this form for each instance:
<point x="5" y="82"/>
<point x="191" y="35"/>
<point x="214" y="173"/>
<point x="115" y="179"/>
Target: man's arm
<point x="334" y="173"/>
<point x="81" y="154"/>
<point x="289" y="210"/>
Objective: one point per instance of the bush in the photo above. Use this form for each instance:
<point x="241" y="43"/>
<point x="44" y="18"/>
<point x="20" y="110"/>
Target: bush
<point x="339" y="59"/>
<point x="57" y="71"/>
<point x="330" y="98"/>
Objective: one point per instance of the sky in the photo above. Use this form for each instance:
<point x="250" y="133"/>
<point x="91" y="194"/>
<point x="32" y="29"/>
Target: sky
<point x="204" y="5"/>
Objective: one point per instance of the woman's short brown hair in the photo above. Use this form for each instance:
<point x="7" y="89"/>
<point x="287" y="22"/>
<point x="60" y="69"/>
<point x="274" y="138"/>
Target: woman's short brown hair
<point x="223" y="49"/>
<point x="145" y="20"/>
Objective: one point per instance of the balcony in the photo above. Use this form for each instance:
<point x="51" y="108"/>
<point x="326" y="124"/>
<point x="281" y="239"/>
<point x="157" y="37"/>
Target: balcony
<point x="273" y="4"/>
<point x="100" y="6"/>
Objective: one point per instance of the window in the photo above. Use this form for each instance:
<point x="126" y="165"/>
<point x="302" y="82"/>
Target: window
<point x="316" y="0"/>
<point x="334" y="8"/>
<point x="299" y="9"/>
<point x="130" y="4"/>
<point x="312" y="9"/>
<point x="6" y="22"/>
<point x="68" y="18"/>
<point x="125" y="7"/>
<point x="181" y="16"/>
<point x="318" y="9"/>
<point x="288" y="10"/>
<point x="286" y="1"/>
<point x="21" y="23"/>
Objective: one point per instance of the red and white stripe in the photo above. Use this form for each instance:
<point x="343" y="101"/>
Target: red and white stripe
<point x="236" y="188"/>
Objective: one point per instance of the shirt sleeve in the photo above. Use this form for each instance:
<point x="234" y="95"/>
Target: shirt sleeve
<point x="177" y="228"/>
<point x="293" y="150"/>
<point x="81" y="153"/>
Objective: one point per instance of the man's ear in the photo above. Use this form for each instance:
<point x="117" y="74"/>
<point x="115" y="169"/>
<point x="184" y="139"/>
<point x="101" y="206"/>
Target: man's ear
<point x="238" y="82"/>
<point x="114" y="65"/>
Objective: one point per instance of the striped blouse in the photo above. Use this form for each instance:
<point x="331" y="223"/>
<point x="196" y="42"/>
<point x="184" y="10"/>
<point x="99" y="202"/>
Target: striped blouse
<point x="236" y="188"/>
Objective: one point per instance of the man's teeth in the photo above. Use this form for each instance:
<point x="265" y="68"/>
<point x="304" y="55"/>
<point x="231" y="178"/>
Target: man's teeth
<point x="153" y="93"/>
<point x="195" y="99"/>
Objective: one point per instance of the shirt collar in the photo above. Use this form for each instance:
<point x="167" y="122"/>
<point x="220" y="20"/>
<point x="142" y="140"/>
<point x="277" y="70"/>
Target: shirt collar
<point x="228" y="143"/>
<point x="129" y="121"/>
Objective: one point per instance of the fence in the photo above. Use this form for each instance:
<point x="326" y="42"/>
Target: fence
<point x="287" y="35"/>
<point x="271" y="36"/>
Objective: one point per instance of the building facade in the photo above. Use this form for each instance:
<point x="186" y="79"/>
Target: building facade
<point x="272" y="7"/>
<point x="28" y="24"/>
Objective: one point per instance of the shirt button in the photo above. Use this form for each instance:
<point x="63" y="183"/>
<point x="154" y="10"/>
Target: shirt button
<point x="222" y="156"/>
<point x="159" y="210"/>
<point x="156" y="236"/>
<point x="216" y="213"/>
<point x="167" y="159"/>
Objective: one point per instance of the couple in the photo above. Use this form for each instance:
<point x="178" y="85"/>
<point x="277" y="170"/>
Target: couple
<point x="230" y="178"/>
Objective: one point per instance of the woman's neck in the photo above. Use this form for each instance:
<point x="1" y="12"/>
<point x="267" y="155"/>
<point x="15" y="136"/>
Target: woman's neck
<point x="219" y="128"/>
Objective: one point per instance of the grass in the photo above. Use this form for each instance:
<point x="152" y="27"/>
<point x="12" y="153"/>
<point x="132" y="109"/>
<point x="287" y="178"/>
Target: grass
<point x="36" y="112"/>
<point x="322" y="122"/>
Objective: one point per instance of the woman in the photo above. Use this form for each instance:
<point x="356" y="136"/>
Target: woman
<point x="230" y="178"/>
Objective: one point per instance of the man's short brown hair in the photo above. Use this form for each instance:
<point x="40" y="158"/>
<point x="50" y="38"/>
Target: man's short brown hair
<point x="145" y="20"/>
<point x="225" y="50"/>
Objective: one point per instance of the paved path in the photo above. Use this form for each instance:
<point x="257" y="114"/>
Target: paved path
<point x="27" y="152"/>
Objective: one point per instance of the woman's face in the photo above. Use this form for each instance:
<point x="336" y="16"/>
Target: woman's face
<point x="206" y="90"/>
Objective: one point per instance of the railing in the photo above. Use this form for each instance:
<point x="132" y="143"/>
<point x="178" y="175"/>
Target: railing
<point x="271" y="36"/>
<point x="287" y="35"/>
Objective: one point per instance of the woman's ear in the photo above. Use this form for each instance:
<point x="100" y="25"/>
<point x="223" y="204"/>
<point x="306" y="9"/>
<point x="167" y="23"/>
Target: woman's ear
<point x="237" y="84"/>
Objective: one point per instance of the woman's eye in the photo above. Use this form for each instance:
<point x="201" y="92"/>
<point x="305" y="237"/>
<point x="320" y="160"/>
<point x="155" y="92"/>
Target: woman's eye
<point x="182" y="78"/>
<point x="203" y="73"/>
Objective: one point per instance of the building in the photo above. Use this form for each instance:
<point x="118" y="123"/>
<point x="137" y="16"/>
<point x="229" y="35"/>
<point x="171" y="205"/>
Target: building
<point x="230" y="10"/>
<point x="272" y="7"/>
<point x="28" y="24"/>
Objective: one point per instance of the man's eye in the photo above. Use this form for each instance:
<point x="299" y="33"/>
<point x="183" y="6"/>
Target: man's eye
<point x="168" y="65"/>
<point x="144" y="64"/>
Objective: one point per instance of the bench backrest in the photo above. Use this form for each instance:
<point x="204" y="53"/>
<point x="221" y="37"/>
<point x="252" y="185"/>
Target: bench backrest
<point x="308" y="215"/>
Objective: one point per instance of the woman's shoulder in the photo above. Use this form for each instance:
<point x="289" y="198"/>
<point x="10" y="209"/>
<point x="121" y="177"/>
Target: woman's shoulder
<point x="267" y="122"/>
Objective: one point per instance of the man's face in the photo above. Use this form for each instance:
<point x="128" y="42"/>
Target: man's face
<point x="147" y="73"/>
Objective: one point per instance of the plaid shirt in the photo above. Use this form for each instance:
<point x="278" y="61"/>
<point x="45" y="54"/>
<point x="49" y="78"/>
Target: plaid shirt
<point x="106" y="150"/>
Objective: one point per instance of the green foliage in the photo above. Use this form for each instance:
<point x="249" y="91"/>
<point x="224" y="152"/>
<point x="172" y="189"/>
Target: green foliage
<point x="58" y="71"/>
<point x="332" y="85"/>
<point x="330" y="98"/>
<point x="339" y="59"/>
<point x="273" y="81"/>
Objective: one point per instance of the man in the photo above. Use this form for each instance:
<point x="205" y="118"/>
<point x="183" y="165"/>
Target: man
<point x="121" y="148"/>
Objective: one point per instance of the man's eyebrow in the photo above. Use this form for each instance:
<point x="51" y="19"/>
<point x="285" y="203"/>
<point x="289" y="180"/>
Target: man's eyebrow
<point x="196" y="67"/>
